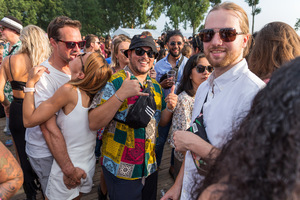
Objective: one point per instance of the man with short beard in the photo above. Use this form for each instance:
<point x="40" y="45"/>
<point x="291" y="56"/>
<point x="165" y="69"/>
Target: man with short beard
<point x="174" y="41"/>
<point x="128" y="153"/>
<point x="222" y="100"/>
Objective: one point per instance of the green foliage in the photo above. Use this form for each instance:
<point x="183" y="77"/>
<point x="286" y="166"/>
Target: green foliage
<point x="297" y="25"/>
<point x="214" y="2"/>
<point x="255" y="10"/>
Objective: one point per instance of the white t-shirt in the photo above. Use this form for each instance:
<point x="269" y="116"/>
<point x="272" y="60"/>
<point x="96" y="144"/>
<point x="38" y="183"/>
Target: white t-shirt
<point x="228" y="101"/>
<point x="36" y="146"/>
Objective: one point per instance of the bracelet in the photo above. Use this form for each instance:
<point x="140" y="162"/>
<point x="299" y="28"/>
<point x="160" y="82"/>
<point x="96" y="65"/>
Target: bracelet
<point x="29" y="89"/>
<point x="119" y="98"/>
<point x="170" y="110"/>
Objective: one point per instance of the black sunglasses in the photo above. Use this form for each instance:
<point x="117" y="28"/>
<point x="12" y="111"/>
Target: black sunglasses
<point x="72" y="45"/>
<point x="226" y="34"/>
<point x="174" y="43"/>
<point x="98" y="43"/>
<point x="81" y="55"/>
<point x="201" y="68"/>
<point x="140" y="52"/>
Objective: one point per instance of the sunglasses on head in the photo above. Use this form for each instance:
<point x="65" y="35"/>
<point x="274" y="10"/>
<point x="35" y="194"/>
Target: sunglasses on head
<point x="140" y="52"/>
<point x="81" y="55"/>
<point x="72" y="45"/>
<point x="201" y="68"/>
<point x="2" y="28"/>
<point x="226" y="34"/>
<point x="174" y="43"/>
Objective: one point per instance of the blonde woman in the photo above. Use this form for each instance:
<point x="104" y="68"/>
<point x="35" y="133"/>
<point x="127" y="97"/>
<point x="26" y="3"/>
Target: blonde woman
<point x="34" y="50"/>
<point x="119" y="60"/>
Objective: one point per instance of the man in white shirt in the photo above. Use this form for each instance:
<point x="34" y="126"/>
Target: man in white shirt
<point x="45" y="142"/>
<point x="225" y="97"/>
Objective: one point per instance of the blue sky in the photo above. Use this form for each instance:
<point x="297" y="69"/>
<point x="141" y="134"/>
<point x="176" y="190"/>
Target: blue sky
<point x="271" y="10"/>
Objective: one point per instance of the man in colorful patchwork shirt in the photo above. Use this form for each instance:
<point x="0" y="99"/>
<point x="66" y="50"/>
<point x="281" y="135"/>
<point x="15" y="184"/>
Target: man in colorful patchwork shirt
<point x="128" y="154"/>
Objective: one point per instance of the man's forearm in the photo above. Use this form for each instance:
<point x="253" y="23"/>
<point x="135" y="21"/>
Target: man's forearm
<point x="57" y="145"/>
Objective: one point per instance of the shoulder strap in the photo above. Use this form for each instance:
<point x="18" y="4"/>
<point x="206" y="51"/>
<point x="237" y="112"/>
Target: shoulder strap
<point x="178" y="65"/>
<point x="10" y="68"/>
<point x="201" y="112"/>
<point x="12" y="50"/>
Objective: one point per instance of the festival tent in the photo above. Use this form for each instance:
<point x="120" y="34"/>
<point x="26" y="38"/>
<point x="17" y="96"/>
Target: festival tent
<point x="131" y="32"/>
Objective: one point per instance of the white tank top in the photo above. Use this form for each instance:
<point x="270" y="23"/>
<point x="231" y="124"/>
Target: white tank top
<point x="80" y="140"/>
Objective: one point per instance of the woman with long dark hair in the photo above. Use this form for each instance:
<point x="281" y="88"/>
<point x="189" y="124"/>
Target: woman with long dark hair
<point x="261" y="160"/>
<point x="196" y="71"/>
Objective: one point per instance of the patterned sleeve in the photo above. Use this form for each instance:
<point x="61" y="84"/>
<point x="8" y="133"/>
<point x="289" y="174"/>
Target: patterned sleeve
<point x="182" y="114"/>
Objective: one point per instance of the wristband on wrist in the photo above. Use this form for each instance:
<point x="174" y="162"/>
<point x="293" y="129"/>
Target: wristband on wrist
<point x="119" y="98"/>
<point x="29" y="89"/>
<point x="170" y="109"/>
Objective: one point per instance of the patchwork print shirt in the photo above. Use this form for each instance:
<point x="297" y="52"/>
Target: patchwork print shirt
<point x="129" y="153"/>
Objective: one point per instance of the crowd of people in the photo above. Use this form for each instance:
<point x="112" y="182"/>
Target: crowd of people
<point x="226" y="102"/>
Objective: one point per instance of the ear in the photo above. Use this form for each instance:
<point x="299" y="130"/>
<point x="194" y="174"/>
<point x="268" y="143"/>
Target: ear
<point x="53" y="43"/>
<point x="129" y="52"/>
<point x="81" y="75"/>
<point x="245" y="40"/>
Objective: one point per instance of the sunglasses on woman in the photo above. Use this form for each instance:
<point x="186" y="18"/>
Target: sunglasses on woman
<point x="140" y="52"/>
<point x="72" y="45"/>
<point x="82" y="65"/>
<point x="201" y="68"/>
<point x="226" y="34"/>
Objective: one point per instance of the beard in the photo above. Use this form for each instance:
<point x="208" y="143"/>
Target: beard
<point x="229" y="58"/>
<point x="175" y="55"/>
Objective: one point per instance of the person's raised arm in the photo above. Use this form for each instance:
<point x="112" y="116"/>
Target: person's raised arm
<point x="167" y="113"/>
<point x="35" y="116"/>
<point x="11" y="175"/>
<point x="102" y="115"/>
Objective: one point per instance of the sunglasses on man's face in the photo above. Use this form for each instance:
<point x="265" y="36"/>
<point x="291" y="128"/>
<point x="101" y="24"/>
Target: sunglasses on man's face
<point x="72" y="45"/>
<point x="202" y="68"/>
<point x="174" y="43"/>
<point x="226" y="34"/>
<point x="2" y="28"/>
<point x="98" y="43"/>
<point x="140" y="52"/>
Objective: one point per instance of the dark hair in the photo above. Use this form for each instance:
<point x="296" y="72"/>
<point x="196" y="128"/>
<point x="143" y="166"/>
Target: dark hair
<point x="197" y="43"/>
<point x="275" y="44"/>
<point x="173" y="33"/>
<point x="58" y="23"/>
<point x="147" y="33"/>
<point x="90" y="39"/>
<point x="261" y="160"/>
<point x="161" y="54"/>
<point x="186" y="82"/>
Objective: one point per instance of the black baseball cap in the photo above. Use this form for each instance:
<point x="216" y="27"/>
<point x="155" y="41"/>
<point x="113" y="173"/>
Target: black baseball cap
<point x="141" y="41"/>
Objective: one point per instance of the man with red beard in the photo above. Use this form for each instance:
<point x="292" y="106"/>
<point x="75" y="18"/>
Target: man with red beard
<point x="221" y="101"/>
<point x="173" y="61"/>
<point x="45" y="142"/>
<point x="128" y="157"/>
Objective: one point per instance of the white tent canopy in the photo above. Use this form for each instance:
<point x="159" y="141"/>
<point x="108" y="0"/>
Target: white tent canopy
<point x="131" y="32"/>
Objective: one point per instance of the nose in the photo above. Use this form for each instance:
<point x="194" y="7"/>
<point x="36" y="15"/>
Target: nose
<point x="76" y="48"/>
<point x="216" y="40"/>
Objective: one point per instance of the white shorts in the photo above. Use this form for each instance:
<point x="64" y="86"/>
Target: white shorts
<point x="57" y="190"/>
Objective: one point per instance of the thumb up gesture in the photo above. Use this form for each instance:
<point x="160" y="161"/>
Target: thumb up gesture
<point x="171" y="99"/>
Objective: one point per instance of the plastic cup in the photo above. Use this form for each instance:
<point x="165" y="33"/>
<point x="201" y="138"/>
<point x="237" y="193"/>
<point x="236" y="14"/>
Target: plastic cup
<point x="171" y="75"/>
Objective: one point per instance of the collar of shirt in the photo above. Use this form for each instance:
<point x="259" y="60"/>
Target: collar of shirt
<point x="218" y="84"/>
<point x="166" y="59"/>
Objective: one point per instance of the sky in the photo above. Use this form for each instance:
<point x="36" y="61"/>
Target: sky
<point x="271" y="10"/>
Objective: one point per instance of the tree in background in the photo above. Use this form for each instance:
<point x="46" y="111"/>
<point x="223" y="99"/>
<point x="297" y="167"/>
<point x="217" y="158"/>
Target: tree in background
<point x="255" y="10"/>
<point x="194" y="12"/>
<point x="297" y="25"/>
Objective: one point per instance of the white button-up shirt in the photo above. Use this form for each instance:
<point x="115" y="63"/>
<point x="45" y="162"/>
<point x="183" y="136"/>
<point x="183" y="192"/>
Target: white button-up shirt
<point x="229" y="99"/>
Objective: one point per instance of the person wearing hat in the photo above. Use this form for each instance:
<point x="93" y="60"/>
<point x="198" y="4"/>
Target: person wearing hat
<point x="128" y="154"/>
<point x="10" y="29"/>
